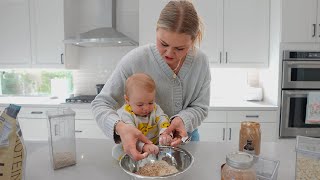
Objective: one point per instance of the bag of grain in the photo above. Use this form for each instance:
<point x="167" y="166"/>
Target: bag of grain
<point x="12" y="149"/>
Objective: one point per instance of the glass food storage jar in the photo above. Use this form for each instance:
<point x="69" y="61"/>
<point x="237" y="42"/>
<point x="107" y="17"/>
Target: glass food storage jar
<point x="62" y="143"/>
<point x="307" y="158"/>
<point x="250" y="132"/>
<point x="239" y="166"/>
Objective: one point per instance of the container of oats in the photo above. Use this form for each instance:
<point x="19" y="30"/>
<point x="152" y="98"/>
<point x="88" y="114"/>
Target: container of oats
<point x="62" y="142"/>
<point x="307" y="158"/>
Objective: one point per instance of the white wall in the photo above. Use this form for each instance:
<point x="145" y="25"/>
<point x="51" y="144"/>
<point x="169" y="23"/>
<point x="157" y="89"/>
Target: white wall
<point x="228" y="83"/>
<point x="270" y="78"/>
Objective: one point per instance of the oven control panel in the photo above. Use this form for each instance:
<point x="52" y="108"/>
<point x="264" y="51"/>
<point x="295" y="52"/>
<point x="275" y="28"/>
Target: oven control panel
<point x="301" y="55"/>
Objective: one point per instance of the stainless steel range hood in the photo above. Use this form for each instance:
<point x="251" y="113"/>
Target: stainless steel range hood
<point x="100" y="36"/>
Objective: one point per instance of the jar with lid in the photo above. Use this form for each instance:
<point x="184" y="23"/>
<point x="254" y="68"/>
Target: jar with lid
<point x="250" y="130"/>
<point x="239" y="166"/>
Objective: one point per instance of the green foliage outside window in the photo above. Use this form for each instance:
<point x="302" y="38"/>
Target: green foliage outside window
<point x="31" y="82"/>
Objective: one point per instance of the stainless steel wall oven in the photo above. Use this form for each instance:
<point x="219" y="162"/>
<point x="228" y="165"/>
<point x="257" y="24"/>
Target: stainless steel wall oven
<point x="300" y="76"/>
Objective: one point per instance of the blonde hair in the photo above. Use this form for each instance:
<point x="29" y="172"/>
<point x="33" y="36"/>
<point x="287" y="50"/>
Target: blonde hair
<point x="140" y="80"/>
<point x="180" y="16"/>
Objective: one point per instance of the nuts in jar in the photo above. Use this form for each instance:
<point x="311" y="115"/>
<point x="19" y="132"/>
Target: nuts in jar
<point x="239" y="166"/>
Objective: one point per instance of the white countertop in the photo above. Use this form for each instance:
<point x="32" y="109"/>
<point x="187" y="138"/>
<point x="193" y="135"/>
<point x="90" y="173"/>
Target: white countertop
<point x="94" y="160"/>
<point x="215" y="104"/>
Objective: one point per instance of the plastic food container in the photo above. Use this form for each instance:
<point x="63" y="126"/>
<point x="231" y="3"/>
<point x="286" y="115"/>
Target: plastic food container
<point x="62" y="143"/>
<point x="307" y="158"/>
<point x="266" y="169"/>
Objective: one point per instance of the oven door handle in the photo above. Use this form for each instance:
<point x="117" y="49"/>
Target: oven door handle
<point x="310" y="64"/>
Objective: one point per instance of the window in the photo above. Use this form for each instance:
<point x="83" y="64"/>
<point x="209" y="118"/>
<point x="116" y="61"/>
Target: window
<point x="35" y="82"/>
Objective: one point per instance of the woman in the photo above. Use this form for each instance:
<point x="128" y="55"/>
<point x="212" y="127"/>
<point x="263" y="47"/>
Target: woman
<point x="181" y="73"/>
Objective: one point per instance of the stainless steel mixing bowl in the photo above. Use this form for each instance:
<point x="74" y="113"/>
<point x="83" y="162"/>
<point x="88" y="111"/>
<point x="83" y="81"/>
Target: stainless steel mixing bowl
<point x="178" y="157"/>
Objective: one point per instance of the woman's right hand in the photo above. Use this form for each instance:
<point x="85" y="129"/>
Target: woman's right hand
<point x="129" y="136"/>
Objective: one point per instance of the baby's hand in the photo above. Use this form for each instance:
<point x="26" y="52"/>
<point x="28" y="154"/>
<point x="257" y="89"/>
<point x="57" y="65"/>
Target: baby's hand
<point x="165" y="139"/>
<point x="150" y="149"/>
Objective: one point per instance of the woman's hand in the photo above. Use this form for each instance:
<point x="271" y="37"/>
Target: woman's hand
<point x="150" y="149"/>
<point x="179" y="131"/>
<point x="129" y="136"/>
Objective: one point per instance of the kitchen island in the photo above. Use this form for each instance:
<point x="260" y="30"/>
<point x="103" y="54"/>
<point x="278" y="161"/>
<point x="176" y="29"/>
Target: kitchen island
<point x="94" y="160"/>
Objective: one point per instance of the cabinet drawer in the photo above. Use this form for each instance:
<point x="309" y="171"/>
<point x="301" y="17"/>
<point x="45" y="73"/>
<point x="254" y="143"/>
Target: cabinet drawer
<point x="216" y="116"/>
<point x="259" y="116"/>
<point x="38" y="113"/>
<point x="35" y="113"/>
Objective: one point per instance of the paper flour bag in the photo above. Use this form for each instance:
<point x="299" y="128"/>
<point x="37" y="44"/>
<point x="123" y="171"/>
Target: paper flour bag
<point x="12" y="149"/>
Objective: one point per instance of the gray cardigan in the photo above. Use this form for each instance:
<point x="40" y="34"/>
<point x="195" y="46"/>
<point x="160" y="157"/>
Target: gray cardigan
<point x="187" y="95"/>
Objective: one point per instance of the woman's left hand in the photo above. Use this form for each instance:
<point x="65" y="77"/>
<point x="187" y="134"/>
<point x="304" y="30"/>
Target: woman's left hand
<point x="178" y="129"/>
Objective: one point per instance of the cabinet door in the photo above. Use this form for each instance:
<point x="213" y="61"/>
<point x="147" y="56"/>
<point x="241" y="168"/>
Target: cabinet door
<point x="318" y="22"/>
<point x="149" y="11"/>
<point x="246" y="32"/>
<point x="299" y="20"/>
<point x="232" y="132"/>
<point x="269" y="132"/>
<point x="211" y="13"/>
<point x="215" y="132"/>
<point x="48" y="32"/>
<point x="88" y="129"/>
<point x="34" y="129"/>
<point x="15" y="49"/>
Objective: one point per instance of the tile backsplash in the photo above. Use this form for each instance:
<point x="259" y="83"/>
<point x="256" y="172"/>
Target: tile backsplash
<point x="97" y="64"/>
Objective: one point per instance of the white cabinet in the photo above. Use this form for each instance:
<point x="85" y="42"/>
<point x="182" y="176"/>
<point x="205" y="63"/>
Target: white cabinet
<point x="47" y="30"/>
<point x="32" y="34"/>
<point x="236" y="32"/>
<point x="15" y="49"/>
<point x="149" y="11"/>
<point x="223" y="126"/>
<point x="86" y="126"/>
<point x="88" y="129"/>
<point x="300" y="21"/>
<point x="33" y="123"/>
<point x="246" y="32"/>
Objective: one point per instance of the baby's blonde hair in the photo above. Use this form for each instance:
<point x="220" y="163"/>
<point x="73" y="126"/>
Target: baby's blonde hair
<point x="180" y="16"/>
<point x="140" y="80"/>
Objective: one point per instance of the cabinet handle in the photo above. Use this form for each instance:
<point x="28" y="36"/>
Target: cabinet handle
<point x="229" y="133"/>
<point x="319" y="30"/>
<point x="314" y="30"/>
<point x="252" y="116"/>
<point x="226" y="57"/>
<point x="78" y="131"/>
<point x="221" y="53"/>
<point x="61" y="58"/>
<point x="36" y="112"/>
<point x="56" y="126"/>
<point x="223" y="133"/>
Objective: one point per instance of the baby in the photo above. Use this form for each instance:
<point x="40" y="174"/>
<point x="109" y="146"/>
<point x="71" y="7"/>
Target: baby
<point x="141" y="111"/>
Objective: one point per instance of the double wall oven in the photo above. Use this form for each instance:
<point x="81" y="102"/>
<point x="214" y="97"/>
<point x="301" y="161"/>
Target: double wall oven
<point x="300" y="76"/>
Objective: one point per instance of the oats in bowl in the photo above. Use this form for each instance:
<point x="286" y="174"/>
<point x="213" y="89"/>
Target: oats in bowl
<point x="171" y="164"/>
